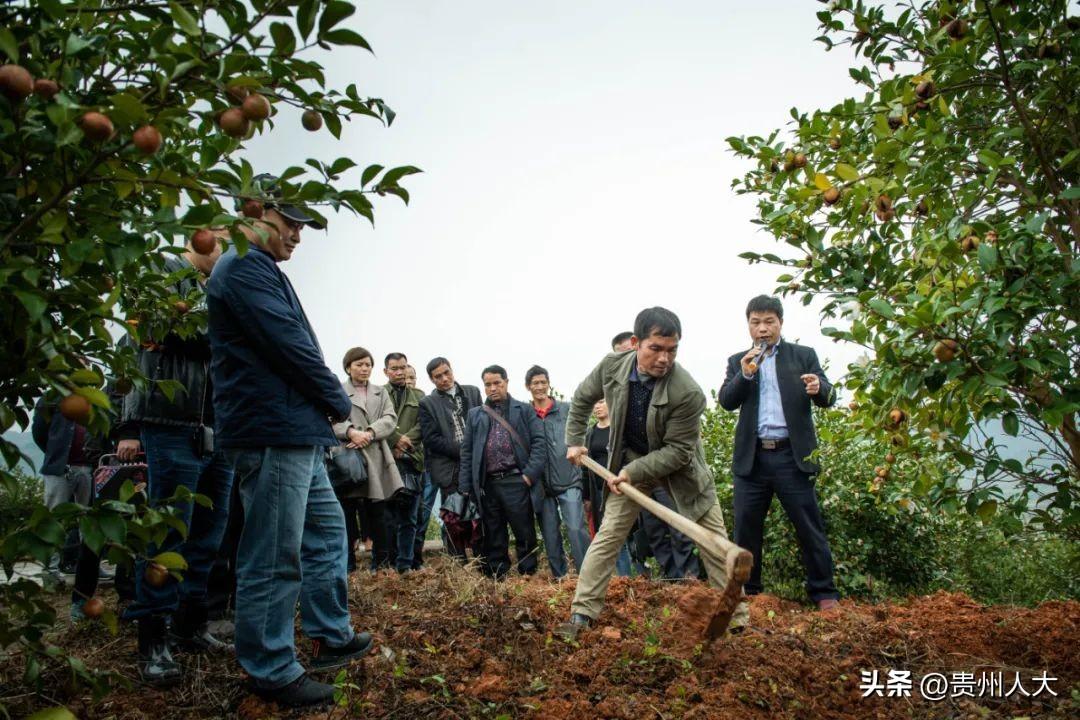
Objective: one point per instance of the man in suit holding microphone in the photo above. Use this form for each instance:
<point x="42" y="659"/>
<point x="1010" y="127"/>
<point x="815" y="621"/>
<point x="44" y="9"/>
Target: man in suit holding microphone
<point x="773" y="386"/>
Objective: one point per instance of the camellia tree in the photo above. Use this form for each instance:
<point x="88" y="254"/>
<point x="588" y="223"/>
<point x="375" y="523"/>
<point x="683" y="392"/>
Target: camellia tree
<point x="937" y="217"/>
<point x="121" y="126"/>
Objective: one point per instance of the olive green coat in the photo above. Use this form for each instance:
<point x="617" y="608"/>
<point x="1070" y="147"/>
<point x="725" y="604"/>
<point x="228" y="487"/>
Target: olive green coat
<point x="676" y="457"/>
<point x="408" y="424"/>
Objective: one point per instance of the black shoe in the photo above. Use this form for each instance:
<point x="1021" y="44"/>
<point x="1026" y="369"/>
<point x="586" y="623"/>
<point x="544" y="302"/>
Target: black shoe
<point x="155" y="662"/>
<point x="569" y="630"/>
<point x="300" y="692"/>
<point x="324" y="657"/>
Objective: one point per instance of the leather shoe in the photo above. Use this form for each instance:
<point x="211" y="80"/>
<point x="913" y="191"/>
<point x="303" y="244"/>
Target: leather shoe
<point x="324" y="657"/>
<point x="300" y="692"/>
<point x="827" y="603"/>
<point x="569" y="630"/>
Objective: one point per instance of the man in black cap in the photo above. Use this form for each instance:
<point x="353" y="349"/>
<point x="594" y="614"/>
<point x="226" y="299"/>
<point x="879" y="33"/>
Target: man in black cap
<point x="274" y="400"/>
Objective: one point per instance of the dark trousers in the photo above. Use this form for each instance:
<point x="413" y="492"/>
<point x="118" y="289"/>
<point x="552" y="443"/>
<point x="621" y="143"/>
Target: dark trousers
<point x="173" y="463"/>
<point x="86" y="578"/>
<point x="221" y="588"/>
<point x="404" y="512"/>
<point x="674" y="552"/>
<point x="506" y="501"/>
<point x="776" y="472"/>
<point x="378" y="522"/>
<point x="352" y="508"/>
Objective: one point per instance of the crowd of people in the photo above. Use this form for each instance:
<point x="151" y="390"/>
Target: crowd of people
<point x="304" y="469"/>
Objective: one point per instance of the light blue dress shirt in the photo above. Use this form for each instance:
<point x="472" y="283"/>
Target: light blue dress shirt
<point x="771" y="422"/>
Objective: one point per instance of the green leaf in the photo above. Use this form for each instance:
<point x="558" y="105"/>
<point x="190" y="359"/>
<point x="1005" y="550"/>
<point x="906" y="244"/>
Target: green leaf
<point x="53" y="713"/>
<point x="34" y="303"/>
<point x="881" y="307"/>
<point x="284" y="40"/>
<point x="988" y="257"/>
<point x="846" y="172"/>
<point x="1010" y="423"/>
<point x="305" y="18"/>
<point x="392" y="176"/>
<point x="335" y="12"/>
<point x="33" y="670"/>
<point x="344" y="36"/>
<point x="169" y="387"/>
<point x="171" y="560"/>
<point x="111" y="621"/>
<point x="8" y="44"/>
<point x="85" y="376"/>
<point x="369" y="174"/>
<point x="987" y="510"/>
<point x="91" y="534"/>
<point x="183" y="19"/>
<point x="200" y="215"/>
<point x="1072" y="193"/>
<point x="95" y="396"/>
<point x="114" y="527"/>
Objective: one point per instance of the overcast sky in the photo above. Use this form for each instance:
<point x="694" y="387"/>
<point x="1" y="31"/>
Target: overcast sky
<point x="575" y="172"/>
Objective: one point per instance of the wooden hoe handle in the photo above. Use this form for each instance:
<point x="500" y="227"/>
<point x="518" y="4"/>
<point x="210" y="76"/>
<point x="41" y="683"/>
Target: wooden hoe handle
<point x="737" y="560"/>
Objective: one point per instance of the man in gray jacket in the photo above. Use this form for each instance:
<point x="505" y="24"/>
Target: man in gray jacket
<point x="560" y="488"/>
<point x="442" y="424"/>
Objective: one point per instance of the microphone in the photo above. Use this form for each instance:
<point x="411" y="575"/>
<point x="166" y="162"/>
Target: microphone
<point x="763" y="347"/>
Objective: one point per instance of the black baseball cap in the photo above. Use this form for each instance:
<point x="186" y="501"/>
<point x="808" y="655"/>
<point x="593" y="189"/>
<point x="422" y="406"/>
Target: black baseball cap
<point x="266" y="186"/>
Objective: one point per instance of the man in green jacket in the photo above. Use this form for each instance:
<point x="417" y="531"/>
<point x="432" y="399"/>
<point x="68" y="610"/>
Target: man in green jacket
<point x="408" y="449"/>
<point x="655" y="409"/>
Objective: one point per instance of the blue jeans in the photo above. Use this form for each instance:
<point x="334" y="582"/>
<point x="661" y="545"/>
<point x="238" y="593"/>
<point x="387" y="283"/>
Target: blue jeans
<point x="622" y="562"/>
<point x="292" y="547"/>
<point x="569" y="504"/>
<point x="423" y="519"/>
<point x="172" y="463"/>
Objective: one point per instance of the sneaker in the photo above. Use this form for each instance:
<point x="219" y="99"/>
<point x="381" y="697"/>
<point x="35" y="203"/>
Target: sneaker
<point x="827" y="603"/>
<point x="200" y="641"/>
<point x="106" y="577"/>
<point x="155" y="662"/>
<point x="300" y="692"/>
<point x="190" y="631"/>
<point x="569" y="630"/>
<point x="77" y="614"/>
<point x="324" y="657"/>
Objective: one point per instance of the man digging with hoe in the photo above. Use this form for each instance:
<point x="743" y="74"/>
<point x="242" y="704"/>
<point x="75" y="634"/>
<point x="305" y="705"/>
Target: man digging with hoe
<point x="655" y="409"/>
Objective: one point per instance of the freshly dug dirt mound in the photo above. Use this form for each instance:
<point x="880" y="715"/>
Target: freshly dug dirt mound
<point x="454" y="645"/>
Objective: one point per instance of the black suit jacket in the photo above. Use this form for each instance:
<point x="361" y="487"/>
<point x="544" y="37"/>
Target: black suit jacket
<point x="738" y="393"/>
<point x="441" y="453"/>
<point x="531" y="459"/>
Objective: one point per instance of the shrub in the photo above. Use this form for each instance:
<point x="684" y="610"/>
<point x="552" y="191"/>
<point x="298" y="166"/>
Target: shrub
<point x="18" y="499"/>
<point x="892" y="538"/>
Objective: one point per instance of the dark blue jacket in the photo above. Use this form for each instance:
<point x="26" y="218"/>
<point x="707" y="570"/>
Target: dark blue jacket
<point x="271" y="384"/>
<point x="531" y="460"/>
